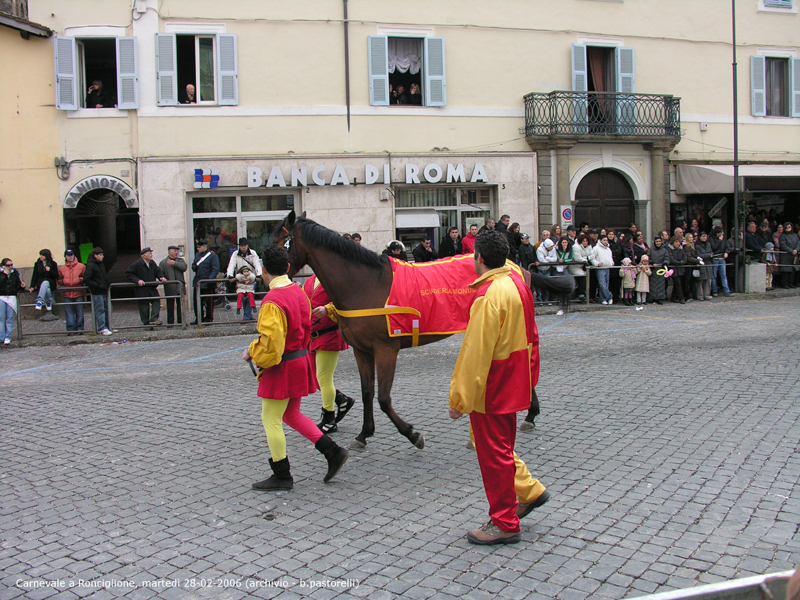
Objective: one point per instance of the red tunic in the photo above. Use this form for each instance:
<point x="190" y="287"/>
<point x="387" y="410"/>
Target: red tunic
<point x="297" y="377"/>
<point x="330" y="341"/>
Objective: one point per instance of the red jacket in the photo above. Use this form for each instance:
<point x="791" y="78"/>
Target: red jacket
<point x="71" y="275"/>
<point x="468" y="244"/>
<point x="331" y="340"/>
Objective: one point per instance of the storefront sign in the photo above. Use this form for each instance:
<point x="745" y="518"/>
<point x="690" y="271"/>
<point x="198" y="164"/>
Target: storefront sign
<point x="101" y="181"/>
<point x="431" y="173"/>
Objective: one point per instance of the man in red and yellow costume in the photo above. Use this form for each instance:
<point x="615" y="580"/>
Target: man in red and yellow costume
<point x="286" y="371"/>
<point x="497" y="368"/>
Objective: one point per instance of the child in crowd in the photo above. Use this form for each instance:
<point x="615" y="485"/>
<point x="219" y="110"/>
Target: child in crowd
<point x="245" y="284"/>
<point x="628" y="275"/>
<point x="769" y="257"/>
<point x="643" y="280"/>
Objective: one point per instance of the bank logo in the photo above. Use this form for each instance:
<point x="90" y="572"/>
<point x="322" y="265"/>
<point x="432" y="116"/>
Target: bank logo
<point x="206" y="178"/>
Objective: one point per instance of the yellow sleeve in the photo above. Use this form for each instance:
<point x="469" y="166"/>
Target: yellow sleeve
<point x="332" y="312"/>
<point x="267" y="350"/>
<point x="468" y="384"/>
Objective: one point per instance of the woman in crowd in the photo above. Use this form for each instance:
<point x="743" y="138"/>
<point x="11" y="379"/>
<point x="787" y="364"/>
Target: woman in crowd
<point x="692" y="264"/>
<point x="617" y="253"/>
<point x="659" y="259"/>
<point x="677" y="258"/>
<point x="601" y="257"/>
<point x="11" y="284"/>
<point x="790" y="245"/>
<point x="581" y="253"/>
<point x="555" y="232"/>
<point x="514" y="240"/>
<point x="564" y="254"/>
<point x="705" y="255"/>
<point x="44" y="279"/>
<point x="638" y="248"/>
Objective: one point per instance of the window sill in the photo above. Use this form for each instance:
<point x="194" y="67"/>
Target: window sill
<point x="96" y="113"/>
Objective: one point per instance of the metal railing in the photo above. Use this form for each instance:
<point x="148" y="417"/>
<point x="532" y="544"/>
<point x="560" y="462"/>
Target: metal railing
<point x="59" y="291"/>
<point x="570" y="114"/>
<point x="181" y="297"/>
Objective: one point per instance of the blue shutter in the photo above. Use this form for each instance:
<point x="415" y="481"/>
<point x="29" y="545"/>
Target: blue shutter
<point x="794" y="86"/>
<point x="127" y="74"/>
<point x="228" y="62"/>
<point x="580" y="104"/>
<point x="166" y="70"/>
<point x="64" y="55"/>
<point x="378" y="70"/>
<point x="626" y="105"/>
<point x="778" y="3"/>
<point x="758" y="86"/>
<point x="435" y="81"/>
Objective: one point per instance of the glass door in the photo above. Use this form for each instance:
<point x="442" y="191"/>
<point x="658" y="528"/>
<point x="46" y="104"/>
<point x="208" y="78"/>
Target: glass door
<point x="260" y="232"/>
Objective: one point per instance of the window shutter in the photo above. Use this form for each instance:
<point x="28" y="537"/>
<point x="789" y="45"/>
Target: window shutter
<point x="378" y="70"/>
<point x="435" y="84"/>
<point x="166" y="70"/>
<point x="794" y="86"/>
<point x="580" y="84"/>
<point x="778" y="3"/>
<point x="228" y="62"/>
<point x="127" y="74"/>
<point x="66" y="73"/>
<point x="625" y="70"/>
<point x="758" y="86"/>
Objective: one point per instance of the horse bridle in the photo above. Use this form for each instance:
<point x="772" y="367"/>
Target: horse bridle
<point x="289" y="238"/>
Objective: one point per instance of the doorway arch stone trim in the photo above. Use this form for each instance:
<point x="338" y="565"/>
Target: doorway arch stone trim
<point x="631" y="175"/>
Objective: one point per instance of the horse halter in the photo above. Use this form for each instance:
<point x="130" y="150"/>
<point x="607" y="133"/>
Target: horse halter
<point x="289" y="237"/>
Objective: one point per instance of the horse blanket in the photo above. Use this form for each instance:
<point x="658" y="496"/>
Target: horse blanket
<point x="439" y="291"/>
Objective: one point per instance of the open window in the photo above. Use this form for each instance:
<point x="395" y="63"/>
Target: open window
<point x="197" y="69"/>
<point x="601" y="74"/>
<point x="775" y="86"/>
<point x="96" y="72"/>
<point x="406" y="71"/>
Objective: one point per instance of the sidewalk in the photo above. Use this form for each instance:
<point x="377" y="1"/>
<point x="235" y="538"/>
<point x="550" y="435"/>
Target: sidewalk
<point x="50" y="329"/>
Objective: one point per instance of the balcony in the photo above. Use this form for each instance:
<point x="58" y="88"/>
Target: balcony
<point x="602" y="117"/>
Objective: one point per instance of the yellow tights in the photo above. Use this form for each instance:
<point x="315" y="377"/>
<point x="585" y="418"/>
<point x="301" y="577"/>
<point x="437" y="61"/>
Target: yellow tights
<point x="272" y="418"/>
<point x="326" y="366"/>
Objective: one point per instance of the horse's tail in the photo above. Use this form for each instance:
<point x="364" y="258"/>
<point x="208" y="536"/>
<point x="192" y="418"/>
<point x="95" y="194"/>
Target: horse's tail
<point x="561" y="286"/>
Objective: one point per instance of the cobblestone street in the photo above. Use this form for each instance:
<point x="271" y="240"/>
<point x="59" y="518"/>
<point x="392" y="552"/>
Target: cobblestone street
<point x="668" y="439"/>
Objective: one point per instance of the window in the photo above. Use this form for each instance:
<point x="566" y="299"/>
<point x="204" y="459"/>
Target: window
<point x="604" y="72"/>
<point x="197" y="69"/>
<point x="778" y="3"/>
<point x="99" y="72"/>
<point x="396" y="62"/>
<point x="454" y="207"/>
<point x="775" y="86"/>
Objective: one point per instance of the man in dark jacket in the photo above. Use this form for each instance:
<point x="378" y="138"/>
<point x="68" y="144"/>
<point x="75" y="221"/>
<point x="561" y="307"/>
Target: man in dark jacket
<point x="451" y="244"/>
<point x="144" y="271"/>
<point x="751" y="242"/>
<point x="205" y="266"/>
<point x="424" y="252"/>
<point x="95" y="279"/>
<point x="527" y="253"/>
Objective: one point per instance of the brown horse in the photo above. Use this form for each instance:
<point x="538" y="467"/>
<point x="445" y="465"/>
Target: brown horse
<point x="355" y="279"/>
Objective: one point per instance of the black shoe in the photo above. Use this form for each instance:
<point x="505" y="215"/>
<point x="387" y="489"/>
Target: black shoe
<point x="523" y="510"/>
<point x="343" y="405"/>
<point x="335" y="455"/>
<point x="238" y="311"/>
<point x="280" y="480"/>
<point x="193" y="322"/>
<point x="328" y="423"/>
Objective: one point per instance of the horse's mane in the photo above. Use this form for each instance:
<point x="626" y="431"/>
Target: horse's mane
<point x="319" y="236"/>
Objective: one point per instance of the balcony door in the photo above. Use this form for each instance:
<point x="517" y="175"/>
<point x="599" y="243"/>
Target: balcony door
<point x="604" y="198"/>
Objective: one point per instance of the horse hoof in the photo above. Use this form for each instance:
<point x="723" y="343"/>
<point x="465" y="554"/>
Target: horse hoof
<point x="356" y="445"/>
<point x="419" y="442"/>
<point x="527" y="426"/>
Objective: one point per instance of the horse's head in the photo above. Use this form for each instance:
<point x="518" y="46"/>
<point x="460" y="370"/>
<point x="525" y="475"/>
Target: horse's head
<point x="285" y="235"/>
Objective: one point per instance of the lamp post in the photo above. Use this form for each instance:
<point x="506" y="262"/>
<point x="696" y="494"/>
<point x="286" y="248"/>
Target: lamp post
<point x="736" y="157"/>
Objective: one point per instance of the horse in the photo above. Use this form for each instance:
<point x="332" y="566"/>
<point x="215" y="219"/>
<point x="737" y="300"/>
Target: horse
<point x="358" y="282"/>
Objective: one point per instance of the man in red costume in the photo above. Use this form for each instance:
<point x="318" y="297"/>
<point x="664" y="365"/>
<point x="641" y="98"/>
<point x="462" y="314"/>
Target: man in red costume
<point x="497" y="368"/>
<point x="286" y="371"/>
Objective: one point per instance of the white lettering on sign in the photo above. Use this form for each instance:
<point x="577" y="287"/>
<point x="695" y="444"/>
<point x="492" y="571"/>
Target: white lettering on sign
<point x="101" y="181"/>
<point x="432" y="173"/>
<point x="412" y="173"/>
<point x="370" y="174"/>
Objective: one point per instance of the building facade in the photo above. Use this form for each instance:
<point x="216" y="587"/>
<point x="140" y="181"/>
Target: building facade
<point x="214" y="120"/>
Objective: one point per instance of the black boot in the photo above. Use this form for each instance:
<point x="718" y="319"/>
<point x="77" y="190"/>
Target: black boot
<point x="280" y="480"/>
<point x="328" y="423"/>
<point x="343" y="405"/>
<point x="335" y="454"/>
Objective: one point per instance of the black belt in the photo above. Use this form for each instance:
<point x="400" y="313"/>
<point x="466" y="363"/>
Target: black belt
<point x="316" y="334"/>
<point x="287" y="356"/>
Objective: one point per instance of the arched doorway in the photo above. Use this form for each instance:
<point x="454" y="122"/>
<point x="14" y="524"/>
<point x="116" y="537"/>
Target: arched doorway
<point x="604" y="198"/>
<point x="102" y="218"/>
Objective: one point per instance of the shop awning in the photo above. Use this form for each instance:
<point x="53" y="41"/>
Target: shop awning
<point x="718" y="179"/>
<point x="414" y="219"/>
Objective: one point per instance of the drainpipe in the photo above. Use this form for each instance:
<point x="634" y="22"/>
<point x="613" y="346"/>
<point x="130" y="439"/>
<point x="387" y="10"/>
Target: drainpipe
<point x="346" y="65"/>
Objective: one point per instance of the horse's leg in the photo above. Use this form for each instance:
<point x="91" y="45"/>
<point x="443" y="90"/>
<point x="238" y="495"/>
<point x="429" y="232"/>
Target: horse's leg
<point x="366" y="369"/>
<point x="386" y="363"/>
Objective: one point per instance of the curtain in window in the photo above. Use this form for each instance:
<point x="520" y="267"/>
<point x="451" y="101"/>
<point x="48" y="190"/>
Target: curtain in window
<point x="405" y="55"/>
<point x="599" y="63"/>
<point x="776" y="84"/>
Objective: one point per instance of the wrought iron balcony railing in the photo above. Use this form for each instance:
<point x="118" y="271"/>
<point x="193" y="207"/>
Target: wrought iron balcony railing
<point x="578" y="114"/>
